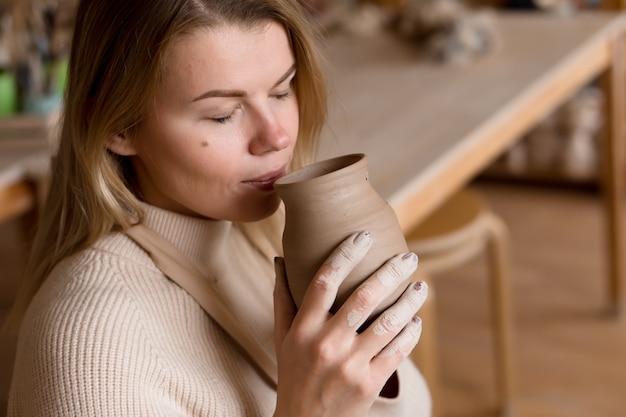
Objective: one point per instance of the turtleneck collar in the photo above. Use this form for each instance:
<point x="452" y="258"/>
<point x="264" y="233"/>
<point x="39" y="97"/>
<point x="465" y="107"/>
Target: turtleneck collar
<point x="200" y="239"/>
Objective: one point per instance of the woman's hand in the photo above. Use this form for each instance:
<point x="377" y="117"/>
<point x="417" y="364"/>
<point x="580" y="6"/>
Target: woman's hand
<point x="326" y="368"/>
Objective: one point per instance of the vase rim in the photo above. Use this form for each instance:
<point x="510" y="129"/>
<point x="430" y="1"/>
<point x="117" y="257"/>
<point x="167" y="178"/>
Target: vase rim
<point x="323" y="168"/>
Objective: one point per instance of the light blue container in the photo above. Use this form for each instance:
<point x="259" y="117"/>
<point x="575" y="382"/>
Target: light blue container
<point x="42" y="104"/>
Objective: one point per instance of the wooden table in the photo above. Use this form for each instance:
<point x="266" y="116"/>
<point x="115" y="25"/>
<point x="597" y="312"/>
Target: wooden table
<point x="24" y="160"/>
<point x="428" y="129"/>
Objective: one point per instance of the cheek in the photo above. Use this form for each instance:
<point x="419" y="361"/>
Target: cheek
<point x="167" y="141"/>
<point x="293" y="123"/>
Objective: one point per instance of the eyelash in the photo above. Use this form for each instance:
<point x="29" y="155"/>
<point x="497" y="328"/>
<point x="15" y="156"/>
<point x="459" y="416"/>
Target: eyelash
<point x="283" y="96"/>
<point x="223" y="120"/>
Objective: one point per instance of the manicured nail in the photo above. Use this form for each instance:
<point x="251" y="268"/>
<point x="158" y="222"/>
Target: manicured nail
<point x="409" y="257"/>
<point x="416" y="320"/>
<point x="420" y="286"/>
<point x="362" y="239"/>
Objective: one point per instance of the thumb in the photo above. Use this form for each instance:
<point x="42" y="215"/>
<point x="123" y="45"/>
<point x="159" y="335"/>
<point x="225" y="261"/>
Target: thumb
<point x="284" y="307"/>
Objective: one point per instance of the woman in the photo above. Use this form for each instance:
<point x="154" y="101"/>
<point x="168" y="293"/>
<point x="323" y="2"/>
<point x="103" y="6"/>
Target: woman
<point x="179" y="116"/>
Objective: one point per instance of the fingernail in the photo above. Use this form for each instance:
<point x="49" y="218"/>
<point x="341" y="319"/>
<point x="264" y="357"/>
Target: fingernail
<point x="409" y="257"/>
<point x="362" y="239"/>
<point x="420" y="286"/>
<point x="416" y="320"/>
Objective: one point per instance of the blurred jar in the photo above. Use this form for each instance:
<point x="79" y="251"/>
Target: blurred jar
<point x="8" y="93"/>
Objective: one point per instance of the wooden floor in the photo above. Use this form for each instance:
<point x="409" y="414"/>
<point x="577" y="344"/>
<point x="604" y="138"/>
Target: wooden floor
<point x="571" y="357"/>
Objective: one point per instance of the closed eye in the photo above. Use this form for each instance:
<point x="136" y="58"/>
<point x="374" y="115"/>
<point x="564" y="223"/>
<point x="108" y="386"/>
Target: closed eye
<point x="222" y="120"/>
<point x="283" y="96"/>
<point x="225" y="119"/>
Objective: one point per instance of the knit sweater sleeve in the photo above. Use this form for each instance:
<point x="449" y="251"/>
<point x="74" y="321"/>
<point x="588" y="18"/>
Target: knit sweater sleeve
<point x="87" y="352"/>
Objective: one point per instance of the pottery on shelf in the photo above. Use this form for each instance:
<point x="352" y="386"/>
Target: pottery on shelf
<point x="325" y="203"/>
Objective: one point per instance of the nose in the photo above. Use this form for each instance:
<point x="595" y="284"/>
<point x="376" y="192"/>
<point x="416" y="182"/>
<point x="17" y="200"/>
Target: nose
<point x="268" y="136"/>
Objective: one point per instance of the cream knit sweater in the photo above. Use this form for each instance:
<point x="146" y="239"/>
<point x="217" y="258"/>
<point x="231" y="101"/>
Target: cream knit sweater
<point x="109" y="335"/>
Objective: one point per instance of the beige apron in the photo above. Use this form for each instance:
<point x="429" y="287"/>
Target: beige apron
<point x="179" y="269"/>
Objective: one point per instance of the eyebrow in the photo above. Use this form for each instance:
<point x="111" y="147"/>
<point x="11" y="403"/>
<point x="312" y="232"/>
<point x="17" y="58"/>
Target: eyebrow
<point x="240" y="93"/>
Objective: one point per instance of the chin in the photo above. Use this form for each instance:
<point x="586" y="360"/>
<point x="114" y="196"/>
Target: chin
<point x="260" y="210"/>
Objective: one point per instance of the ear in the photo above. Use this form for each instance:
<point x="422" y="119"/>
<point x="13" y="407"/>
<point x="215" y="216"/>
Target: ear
<point x="121" y="145"/>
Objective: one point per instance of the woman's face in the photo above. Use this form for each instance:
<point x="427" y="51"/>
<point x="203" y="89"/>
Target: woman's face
<point x="223" y="126"/>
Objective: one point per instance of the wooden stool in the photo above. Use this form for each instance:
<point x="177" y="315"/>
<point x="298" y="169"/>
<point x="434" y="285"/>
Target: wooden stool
<point x="459" y="230"/>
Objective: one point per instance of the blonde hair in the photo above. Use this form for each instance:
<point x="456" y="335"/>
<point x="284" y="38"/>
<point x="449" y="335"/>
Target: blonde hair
<point x="116" y="64"/>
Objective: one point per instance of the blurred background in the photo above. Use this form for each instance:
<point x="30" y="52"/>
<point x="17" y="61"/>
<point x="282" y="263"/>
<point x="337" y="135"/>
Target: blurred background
<point x="566" y="335"/>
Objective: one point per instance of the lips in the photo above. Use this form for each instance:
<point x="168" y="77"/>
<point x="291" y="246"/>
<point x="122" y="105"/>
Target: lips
<point x="266" y="182"/>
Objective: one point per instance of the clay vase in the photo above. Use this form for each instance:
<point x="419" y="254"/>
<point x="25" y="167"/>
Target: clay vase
<point x="324" y="204"/>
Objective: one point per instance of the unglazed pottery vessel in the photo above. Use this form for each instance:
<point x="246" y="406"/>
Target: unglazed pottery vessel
<point x="325" y="203"/>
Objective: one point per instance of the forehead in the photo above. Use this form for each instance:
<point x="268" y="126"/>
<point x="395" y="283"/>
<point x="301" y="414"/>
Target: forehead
<point x="229" y="46"/>
<point x="227" y="57"/>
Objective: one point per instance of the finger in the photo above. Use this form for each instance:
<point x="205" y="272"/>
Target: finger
<point x="391" y="322"/>
<point x="322" y="291"/>
<point x="284" y="307"/>
<point x="368" y="296"/>
<point x="399" y="348"/>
